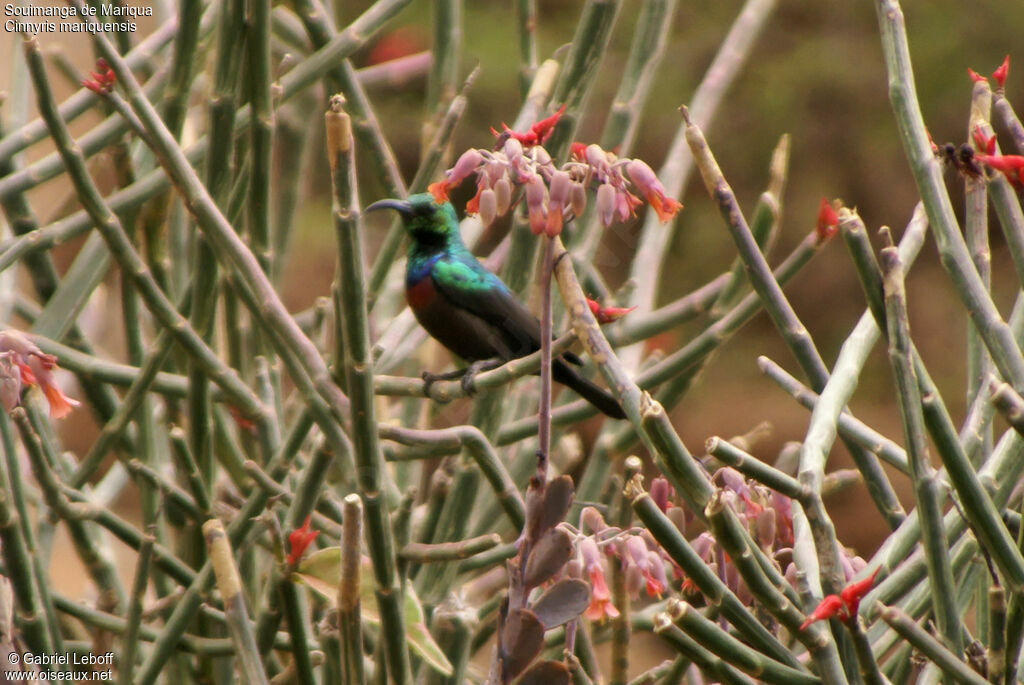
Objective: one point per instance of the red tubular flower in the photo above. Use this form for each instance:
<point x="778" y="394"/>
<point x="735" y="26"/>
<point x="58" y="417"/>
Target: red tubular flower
<point x="38" y="369"/>
<point x="538" y="133"/>
<point x="854" y="592"/>
<point x="600" y="605"/>
<point x="999" y="75"/>
<point x="465" y="165"/>
<point x="1012" y="166"/>
<point x="473" y="206"/>
<point x="828" y="220"/>
<point x="975" y="76"/>
<point x="985" y="145"/>
<point x="543" y="128"/>
<point x="827" y="608"/>
<point x="607" y="314"/>
<point x="298" y="540"/>
<point x="536" y="201"/>
<point x="561" y="186"/>
<point x="843" y="606"/>
<point x="578" y="150"/>
<point x="650" y="187"/>
<point x="102" y="80"/>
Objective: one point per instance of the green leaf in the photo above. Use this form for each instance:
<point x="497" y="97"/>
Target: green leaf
<point x="321" y="572"/>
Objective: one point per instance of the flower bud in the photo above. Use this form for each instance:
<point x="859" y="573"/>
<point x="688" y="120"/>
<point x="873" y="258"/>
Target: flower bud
<point x="541" y="156"/>
<point x="596" y="158"/>
<point x="642" y="175"/>
<point x="536" y="197"/>
<point x="10" y="382"/>
<point x="766" y="528"/>
<point x="488" y="206"/>
<point x="637" y="550"/>
<point x="634" y="581"/>
<point x="560" y="185"/>
<point x="466" y="164"/>
<point x="503" y="195"/>
<point x="589" y="552"/>
<point x="703" y="546"/>
<point x="661" y="491"/>
<point x="578" y="199"/>
<point x="606" y="204"/>
<point x="592" y="519"/>
<point x="513" y="149"/>
<point x="677" y="515"/>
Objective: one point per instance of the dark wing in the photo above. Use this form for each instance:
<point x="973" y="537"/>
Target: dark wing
<point x="467" y="285"/>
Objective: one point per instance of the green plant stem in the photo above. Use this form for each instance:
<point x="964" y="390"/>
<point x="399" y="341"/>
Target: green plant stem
<point x="953" y="252"/>
<point x="956" y="669"/>
<point x="100" y="568"/>
<point x="675" y="171"/>
<point x="14" y="487"/>
<point x="924" y="478"/>
<point x="526" y="30"/>
<point x="230" y="586"/>
<point x="976" y="237"/>
<point x="445" y="391"/>
<point x="108" y="224"/>
<point x="691" y="650"/>
<point x="133" y="619"/>
<point x="866" y="658"/>
<point x="853" y="428"/>
<point x="718" y="641"/>
<point x="365" y="125"/>
<point x="480" y="450"/>
<point x="752" y="467"/>
<point x="31" y="616"/>
<point x="142" y="54"/>
<point x="449" y="551"/>
<point x="359" y="380"/>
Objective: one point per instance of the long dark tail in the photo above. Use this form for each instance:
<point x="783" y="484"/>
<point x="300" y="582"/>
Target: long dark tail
<point x="598" y="397"/>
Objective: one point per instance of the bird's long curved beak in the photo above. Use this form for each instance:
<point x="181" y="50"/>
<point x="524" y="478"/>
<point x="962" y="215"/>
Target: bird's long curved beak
<point x="400" y="206"/>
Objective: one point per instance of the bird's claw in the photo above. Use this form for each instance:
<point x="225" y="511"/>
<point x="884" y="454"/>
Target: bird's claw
<point x="468" y="381"/>
<point x="466" y="377"/>
<point x="429" y="379"/>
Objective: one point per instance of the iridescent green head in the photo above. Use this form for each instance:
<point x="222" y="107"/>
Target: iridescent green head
<point x="424" y="219"/>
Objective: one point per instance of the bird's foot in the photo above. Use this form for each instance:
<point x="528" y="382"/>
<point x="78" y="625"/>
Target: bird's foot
<point x="430" y="378"/>
<point x="470" y="372"/>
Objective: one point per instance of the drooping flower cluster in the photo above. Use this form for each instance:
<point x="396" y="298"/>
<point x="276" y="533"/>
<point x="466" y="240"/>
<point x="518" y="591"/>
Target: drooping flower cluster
<point x="554" y="194"/>
<point x="640" y="557"/>
<point x="23" y="364"/>
<point x="767" y="516"/>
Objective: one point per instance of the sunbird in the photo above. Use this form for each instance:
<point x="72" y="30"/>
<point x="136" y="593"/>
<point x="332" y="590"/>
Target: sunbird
<point x="467" y="308"/>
